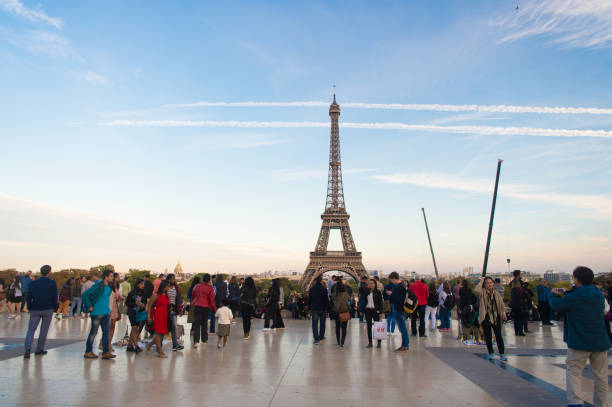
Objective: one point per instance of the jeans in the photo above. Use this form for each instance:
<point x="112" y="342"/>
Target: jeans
<point x="371" y="315"/>
<point x="445" y="318"/>
<point x="391" y="320"/>
<point x="430" y="315"/>
<point x="576" y="361"/>
<point x="340" y="326"/>
<point x="487" y="327"/>
<point x="419" y="314"/>
<point x="212" y="318"/>
<point x="200" y="320"/>
<point x="24" y="301"/>
<point x="400" y="320"/>
<point x="35" y="317"/>
<point x="318" y="325"/>
<point x="247" y="313"/>
<point x="97" y="321"/>
<point x="172" y="328"/>
<point x="75" y="308"/>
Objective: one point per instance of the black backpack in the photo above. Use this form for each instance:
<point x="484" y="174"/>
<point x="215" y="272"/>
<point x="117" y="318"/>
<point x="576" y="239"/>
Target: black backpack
<point x="449" y="302"/>
<point x="432" y="300"/>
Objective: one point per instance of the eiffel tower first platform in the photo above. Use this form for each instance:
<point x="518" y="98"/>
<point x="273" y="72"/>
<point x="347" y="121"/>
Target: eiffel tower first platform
<point x="334" y="217"/>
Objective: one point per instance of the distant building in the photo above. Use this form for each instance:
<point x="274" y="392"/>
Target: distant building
<point x="178" y="272"/>
<point x="551" y="277"/>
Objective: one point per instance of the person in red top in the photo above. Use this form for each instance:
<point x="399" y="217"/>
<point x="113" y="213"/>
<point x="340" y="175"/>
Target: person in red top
<point x="202" y="301"/>
<point x="419" y="288"/>
<point x="157" y="311"/>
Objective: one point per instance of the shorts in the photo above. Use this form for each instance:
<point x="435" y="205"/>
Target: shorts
<point x="131" y="313"/>
<point x="223" y="330"/>
<point x="15" y="300"/>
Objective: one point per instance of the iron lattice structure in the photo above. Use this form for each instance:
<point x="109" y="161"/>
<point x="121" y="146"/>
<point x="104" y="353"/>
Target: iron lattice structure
<point x="334" y="217"/>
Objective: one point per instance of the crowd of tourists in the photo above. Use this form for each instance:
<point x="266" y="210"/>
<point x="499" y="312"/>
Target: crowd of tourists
<point x="214" y="304"/>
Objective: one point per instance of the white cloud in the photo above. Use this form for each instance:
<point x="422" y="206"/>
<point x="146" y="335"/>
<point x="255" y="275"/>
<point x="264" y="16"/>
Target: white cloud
<point x="595" y="206"/>
<point x="568" y="23"/>
<point x="95" y="78"/>
<point x="37" y="15"/>
<point x="40" y="42"/>
<point x="411" y="106"/>
<point x="475" y="130"/>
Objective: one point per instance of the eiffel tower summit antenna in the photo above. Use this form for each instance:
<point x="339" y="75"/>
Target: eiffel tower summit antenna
<point x="334" y="217"/>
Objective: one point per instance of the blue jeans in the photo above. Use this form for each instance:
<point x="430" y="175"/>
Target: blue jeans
<point x="172" y="328"/>
<point x="96" y="321"/>
<point x="444" y="318"/>
<point x="75" y="307"/>
<point x="35" y="317"/>
<point x="211" y="318"/>
<point x="318" y="325"/>
<point x="391" y="320"/>
<point x="400" y="320"/>
<point x="24" y="300"/>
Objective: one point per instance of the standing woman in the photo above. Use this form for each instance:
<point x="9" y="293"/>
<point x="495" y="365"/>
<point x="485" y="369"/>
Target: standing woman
<point x="373" y="308"/>
<point x="115" y="315"/>
<point x="157" y="311"/>
<point x="491" y="315"/>
<point x="445" y="313"/>
<point x="15" y="298"/>
<point x="64" y="299"/>
<point x="517" y="305"/>
<point x="432" y="307"/>
<point x="135" y="304"/>
<point x="234" y="296"/>
<point x="341" y="309"/>
<point x="272" y="305"/>
<point x="194" y="282"/>
<point x="75" y="305"/>
<point x="248" y="298"/>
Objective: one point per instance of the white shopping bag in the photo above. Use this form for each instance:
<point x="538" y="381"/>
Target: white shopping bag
<point x="379" y="330"/>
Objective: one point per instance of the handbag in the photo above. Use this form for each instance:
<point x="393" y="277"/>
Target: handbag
<point x="379" y="330"/>
<point x="344" y="316"/>
<point x="141" y="316"/>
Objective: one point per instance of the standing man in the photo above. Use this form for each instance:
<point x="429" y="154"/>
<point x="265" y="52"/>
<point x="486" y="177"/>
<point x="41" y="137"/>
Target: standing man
<point x="203" y="302"/>
<point x="126" y="287"/>
<point x="586" y="336"/>
<point x="175" y="308"/>
<point x="543" y="302"/>
<point x="42" y="303"/>
<point x="318" y="304"/>
<point x="26" y="280"/>
<point x="97" y="301"/>
<point x="397" y="299"/>
<point x="84" y="287"/>
<point x="363" y="292"/>
<point x="499" y="287"/>
<point x="422" y="292"/>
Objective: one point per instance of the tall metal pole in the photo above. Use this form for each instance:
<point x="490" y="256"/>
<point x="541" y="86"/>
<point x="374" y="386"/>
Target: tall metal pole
<point x="430" y="246"/>
<point x="486" y="257"/>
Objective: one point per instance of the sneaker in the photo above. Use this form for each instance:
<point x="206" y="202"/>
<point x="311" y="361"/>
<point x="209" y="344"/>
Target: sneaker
<point x="26" y="355"/>
<point x="490" y="356"/>
<point x="401" y="350"/>
<point x="90" y="355"/>
<point x="267" y="330"/>
<point x="108" y="356"/>
<point x="129" y="349"/>
<point x="388" y="333"/>
<point x="179" y="347"/>
<point x="195" y="346"/>
<point x="369" y="346"/>
<point x="317" y="342"/>
<point x="503" y="358"/>
<point x="322" y="338"/>
<point x="40" y="352"/>
<point x="246" y="337"/>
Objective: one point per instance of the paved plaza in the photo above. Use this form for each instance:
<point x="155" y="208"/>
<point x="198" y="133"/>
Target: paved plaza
<point x="285" y="369"/>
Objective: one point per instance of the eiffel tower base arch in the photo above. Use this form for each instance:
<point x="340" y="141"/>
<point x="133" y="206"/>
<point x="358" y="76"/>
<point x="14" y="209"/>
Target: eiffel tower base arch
<point x="320" y="264"/>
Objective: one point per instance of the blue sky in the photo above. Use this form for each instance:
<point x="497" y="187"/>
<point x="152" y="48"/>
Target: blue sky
<point x="120" y="142"/>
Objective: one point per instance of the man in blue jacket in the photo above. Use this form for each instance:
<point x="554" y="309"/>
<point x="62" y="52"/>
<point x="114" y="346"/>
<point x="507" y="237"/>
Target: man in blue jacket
<point x="586" y="336"/>
<point x="318" y="304"/>
<point x="397" y="299"/>
<point x="544" y="302"/>
<point x="26" y="280"/>
<point x="42" y="303"/>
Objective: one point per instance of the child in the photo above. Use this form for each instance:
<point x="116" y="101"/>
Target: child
<point x="224" y="316"/>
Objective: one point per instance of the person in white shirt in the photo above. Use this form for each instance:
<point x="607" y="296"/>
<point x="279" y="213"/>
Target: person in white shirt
<point x="224" y="317"/>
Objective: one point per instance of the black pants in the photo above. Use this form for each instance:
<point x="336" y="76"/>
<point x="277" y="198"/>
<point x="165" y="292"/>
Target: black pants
<point x="518" y="318"/>
<point x="271" y="315"/>
<point x="247" y="312"/>
<point x="340" y="326"/>
<point x="544" y="310"/>
<point x="419" y="314"/>
<point x="200" y="324"/>
<point x="487" y="327"/>
<point x="371" y="315"/>
<point x="278" y="320"/>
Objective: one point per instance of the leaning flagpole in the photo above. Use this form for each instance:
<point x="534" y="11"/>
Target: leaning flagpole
<point x="486" y="257"/>
<point x="430" y="246"/>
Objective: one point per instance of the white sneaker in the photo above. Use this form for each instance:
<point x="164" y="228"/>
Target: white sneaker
<point x="388" y="333"/>
<point x="266" y="330"/>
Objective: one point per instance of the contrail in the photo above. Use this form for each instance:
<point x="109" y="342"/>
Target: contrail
<point x="416" y="107"/>
<point x="477" y="130"/>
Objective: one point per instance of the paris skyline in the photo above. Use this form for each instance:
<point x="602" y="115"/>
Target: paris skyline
<point x="196" y="133"/>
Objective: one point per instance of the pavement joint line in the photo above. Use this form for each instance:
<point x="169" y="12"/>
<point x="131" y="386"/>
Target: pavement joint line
<point x="286" y="369"/>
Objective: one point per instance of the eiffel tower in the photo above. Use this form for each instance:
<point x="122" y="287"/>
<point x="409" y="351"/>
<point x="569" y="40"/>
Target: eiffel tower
<point x="334" y="217"/>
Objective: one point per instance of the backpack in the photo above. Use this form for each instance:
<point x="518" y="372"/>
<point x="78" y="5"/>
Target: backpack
<point x="449" y="302"/>
<point x="92" y="295"/>
<point x="411" y="302"/>
<point x="432" y="300"/>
